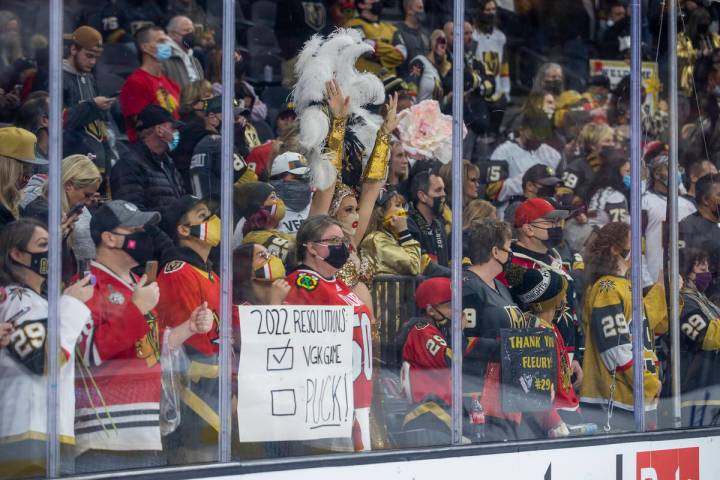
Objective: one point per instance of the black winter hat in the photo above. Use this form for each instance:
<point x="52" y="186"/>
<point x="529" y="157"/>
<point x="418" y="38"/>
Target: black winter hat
<point x="539" y="289"/>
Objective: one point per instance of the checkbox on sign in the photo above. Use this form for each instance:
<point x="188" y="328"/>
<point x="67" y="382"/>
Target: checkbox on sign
<point x="280" y="358"/>
<point x="283" y="402"/>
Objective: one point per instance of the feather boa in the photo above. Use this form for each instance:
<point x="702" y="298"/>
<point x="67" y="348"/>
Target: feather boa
<point x="321" y="60"/>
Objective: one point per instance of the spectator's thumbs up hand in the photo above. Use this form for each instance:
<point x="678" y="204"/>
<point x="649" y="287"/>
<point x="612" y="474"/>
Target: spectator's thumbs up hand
<point x="202" y="319"/>
<point x="146" y="297"/>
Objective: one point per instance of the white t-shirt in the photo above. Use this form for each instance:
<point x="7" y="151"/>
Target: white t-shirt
<point x="655" y="206"/>
<point x="292" y="220"/>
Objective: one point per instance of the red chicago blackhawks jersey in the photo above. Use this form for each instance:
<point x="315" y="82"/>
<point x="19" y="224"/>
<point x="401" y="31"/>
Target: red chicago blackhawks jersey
<point x="427" y="356"/>
<point x="184" y="286"/>
<point x="310" y="288"/>
<point x="118" y="383"/>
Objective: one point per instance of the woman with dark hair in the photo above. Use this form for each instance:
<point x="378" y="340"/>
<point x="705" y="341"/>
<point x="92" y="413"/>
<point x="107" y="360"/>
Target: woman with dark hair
<point x="259" y="276"/>
<point x="608" y="197"/>
<point x="322" y="249"/>
<point x="24" y="315"/>
<point x="388" y="248"/>
<point x="607" y="388"/>
<point x="699" y="342"/>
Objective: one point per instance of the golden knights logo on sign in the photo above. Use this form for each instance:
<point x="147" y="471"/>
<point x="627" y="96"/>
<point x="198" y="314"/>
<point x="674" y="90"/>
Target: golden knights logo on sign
<point x="315" y="15"/>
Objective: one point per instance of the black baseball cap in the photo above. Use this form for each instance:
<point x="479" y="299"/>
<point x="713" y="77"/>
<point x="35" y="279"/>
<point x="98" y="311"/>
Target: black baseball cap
<point x="540" y="174"/>
<point x="155" y="115"/>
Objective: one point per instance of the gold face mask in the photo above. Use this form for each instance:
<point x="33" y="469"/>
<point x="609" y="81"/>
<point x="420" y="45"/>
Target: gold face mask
<point x="387" y="221"/>
<point x="269" y="271"/>
<point x="277" y="210"/>
<point x="209" y="231"/>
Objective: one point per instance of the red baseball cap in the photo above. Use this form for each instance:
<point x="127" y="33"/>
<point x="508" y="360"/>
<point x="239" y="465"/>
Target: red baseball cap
<point x="534" y="208"/>
<point x="433" y="291"/>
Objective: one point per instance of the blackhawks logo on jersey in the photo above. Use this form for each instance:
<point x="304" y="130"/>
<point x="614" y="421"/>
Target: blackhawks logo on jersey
<point x="307" y="281"/>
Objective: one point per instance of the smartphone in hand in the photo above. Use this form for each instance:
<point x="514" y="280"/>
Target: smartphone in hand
<point x="151" y="271"/>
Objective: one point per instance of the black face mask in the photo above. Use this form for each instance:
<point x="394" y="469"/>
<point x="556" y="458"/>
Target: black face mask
<point x="507" y="262"/>
<point x="338" y="255"/>
<point x="546" y="191"/>
<point x="188" y="40"/>
<point x="555" y="236"/>
<point x="553" y="86"/>
<point x="38" y="263"/>
<point x="139" y="246"/>
<point x="376" y="8"/>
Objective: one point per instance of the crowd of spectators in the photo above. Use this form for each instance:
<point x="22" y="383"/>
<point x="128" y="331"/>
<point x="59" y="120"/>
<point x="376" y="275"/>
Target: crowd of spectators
<point x="545" y="219"/>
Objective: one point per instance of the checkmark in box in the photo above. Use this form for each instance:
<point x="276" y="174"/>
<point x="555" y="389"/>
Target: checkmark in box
<point x="280" y="358"/>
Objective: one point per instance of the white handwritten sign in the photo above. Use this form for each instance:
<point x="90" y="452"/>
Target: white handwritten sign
<point x="295" y="379"/>
<point x="616" y="70"/>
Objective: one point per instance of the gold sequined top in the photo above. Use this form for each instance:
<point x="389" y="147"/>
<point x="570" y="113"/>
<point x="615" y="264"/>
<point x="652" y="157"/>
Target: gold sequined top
<point x="355" y="271"/>
<point x="376" y="169"/>
<point x="336" y="141"/>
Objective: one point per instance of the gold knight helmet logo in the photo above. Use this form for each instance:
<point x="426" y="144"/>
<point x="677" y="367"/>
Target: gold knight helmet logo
<point x="315" y="15"/>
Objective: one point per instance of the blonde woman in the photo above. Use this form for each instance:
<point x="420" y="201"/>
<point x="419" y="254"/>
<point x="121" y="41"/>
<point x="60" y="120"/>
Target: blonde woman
<point x="81" y="180"/>
<point x="477" y="210"/>
<point x="388" y="248"/>
<point x="585" y="152"/>
<point x="192" y="97"/>
<point x="10" y="173"/>
<point x="17" y="157"/>
<point x="471" y="181"/>
<point x="428" y="71"/>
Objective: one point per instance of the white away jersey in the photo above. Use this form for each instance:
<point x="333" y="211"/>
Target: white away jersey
<point x="23" y="377"/>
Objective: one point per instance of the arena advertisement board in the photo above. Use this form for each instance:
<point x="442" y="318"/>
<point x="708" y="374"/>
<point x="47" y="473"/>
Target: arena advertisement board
<point x="683" y="459"/>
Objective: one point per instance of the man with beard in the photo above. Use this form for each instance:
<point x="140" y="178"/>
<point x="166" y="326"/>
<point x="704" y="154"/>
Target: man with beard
<point x="289" y="177"/>
<point x="425" y="222"/>
<point x="85" y="125"/>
